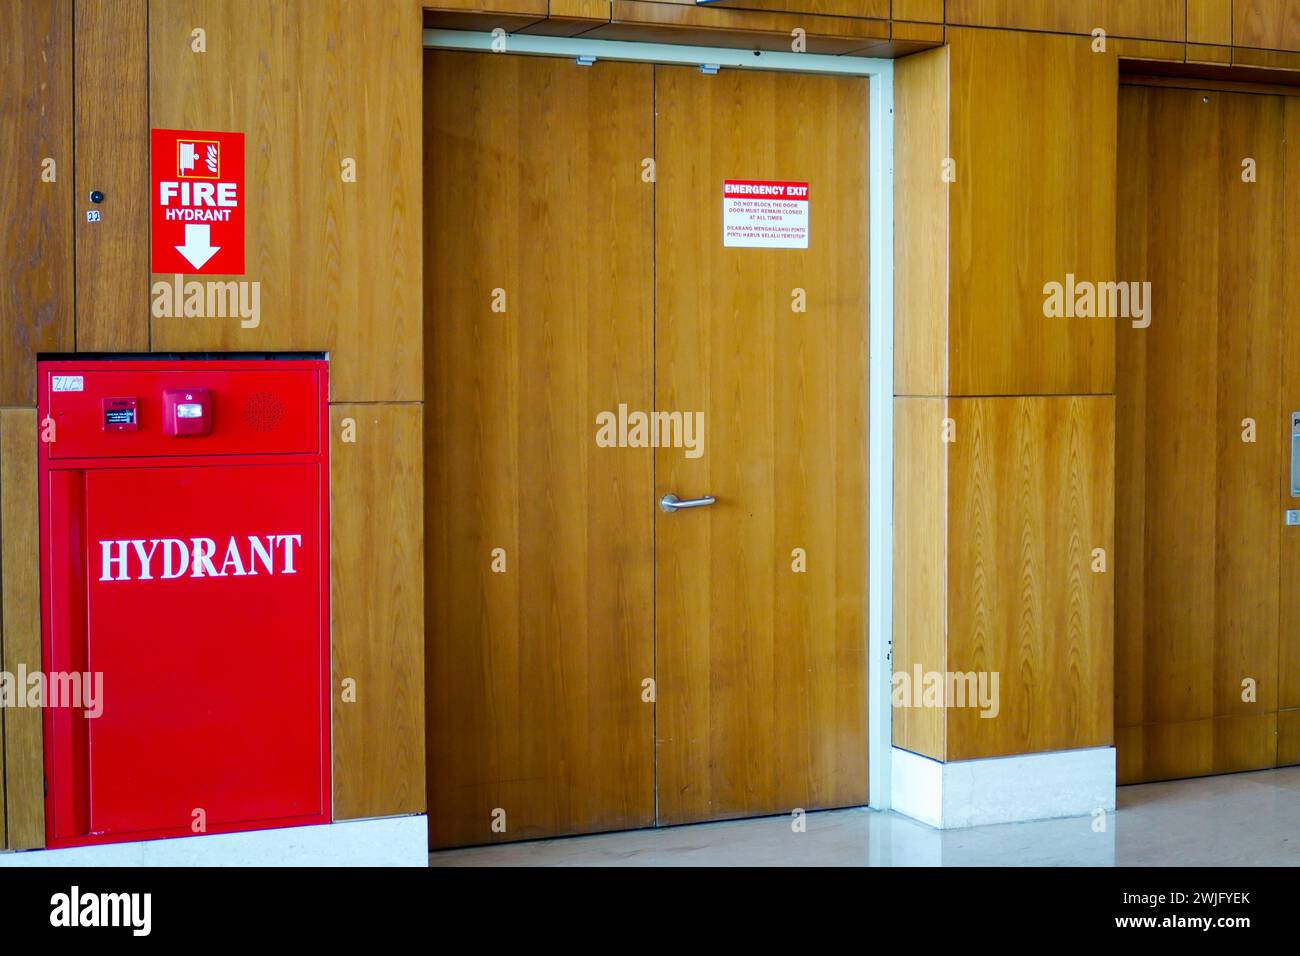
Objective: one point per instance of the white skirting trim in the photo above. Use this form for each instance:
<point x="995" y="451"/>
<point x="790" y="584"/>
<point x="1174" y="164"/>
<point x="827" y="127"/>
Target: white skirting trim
<point x="388" y="841"/>
<point x="971" y="793"/>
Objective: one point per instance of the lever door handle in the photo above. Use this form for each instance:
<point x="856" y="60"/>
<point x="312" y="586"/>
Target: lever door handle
<point x="671" y="503"/>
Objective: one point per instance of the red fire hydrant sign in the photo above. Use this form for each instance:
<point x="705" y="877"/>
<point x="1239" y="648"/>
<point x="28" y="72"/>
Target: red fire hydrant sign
<point x="198" y="202"/>
<point x="764" y="214"/>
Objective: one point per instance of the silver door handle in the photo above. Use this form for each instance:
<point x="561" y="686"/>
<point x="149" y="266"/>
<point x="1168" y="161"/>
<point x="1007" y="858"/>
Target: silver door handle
<point x="671" y="503"/>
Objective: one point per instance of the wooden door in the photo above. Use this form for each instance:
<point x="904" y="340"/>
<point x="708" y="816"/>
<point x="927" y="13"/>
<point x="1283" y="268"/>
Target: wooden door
<point x="538" y="542"/>
<point x="1201" y="434"/>
<point x="761" y="668"/>
<point x="571" y="623"/>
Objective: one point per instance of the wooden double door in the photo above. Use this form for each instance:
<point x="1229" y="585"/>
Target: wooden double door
<point x="1207" y="570"/>
<point x="594" y="662"/>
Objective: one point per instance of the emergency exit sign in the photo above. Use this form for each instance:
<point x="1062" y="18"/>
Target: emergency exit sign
<point x="764" y="214"/>
<point x="198" y="202"/>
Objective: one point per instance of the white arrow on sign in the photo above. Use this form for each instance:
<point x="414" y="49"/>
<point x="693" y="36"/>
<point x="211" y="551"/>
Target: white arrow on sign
<point x="198" y="247"/>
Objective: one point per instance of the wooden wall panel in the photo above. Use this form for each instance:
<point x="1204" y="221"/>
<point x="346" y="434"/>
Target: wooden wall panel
<point x="24" y="771"/>
<point x="112" y="136"/>
<point x="1289" y="631"/>
<point x="1030" y="495"/>
<point x="532" y="8"/>
<point x="377" y="609"/>
<point x="927" y="11"/>
<point x="1148" y="50"/>
<point x="36" y="295"/>
<point x="1142" y="29"/>
<point x="1205" y="53"/>
<point x="534" y="673"/>
<point x="310" y="83"/>
<point x="1197" y="584"/>
<point x="921" y="236"/>
<point x="1288" y="738"/>
<point x="1033" y="136"/>
<point x="1267" y="24"/>
<point x="513" y="16"/>
<point x="861" y="9"/>
<point x="1195" y="748"/>
<point x="1152" y="19"/>
<point x="578" y="13"/>
<point x="1209" y="21"/>
<point x="920" y="564"/>
<point x="655" y="22"/>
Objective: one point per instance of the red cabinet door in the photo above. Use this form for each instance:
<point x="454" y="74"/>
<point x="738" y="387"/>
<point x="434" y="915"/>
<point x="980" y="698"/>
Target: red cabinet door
<point x="203" y="615"/>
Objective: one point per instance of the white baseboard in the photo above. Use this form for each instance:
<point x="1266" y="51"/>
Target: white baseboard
<point x="388" y="841"/>
<point x="971" y="793"/>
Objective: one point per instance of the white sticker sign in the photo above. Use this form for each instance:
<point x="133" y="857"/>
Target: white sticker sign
<point x="67" y="383"/>
<point x="764" y="214"/>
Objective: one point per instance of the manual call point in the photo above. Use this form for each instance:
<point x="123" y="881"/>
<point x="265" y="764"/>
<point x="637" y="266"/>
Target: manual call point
<point x="120" y="415"/>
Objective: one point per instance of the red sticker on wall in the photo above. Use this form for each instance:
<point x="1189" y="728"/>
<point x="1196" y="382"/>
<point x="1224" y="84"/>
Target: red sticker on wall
<point x="198" y="202"/>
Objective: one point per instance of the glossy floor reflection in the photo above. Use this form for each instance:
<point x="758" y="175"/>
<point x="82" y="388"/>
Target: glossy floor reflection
<point x="1245" y="819"/>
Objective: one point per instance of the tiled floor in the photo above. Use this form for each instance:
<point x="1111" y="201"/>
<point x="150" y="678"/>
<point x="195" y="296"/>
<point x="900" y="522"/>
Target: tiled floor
<point x="1240" y="820"/>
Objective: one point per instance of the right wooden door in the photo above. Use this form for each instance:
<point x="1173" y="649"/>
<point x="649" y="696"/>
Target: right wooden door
<point x="761" y="599"/>
<point x="1205" y="568"/>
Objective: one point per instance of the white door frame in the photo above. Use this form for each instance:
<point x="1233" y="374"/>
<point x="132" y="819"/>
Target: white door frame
<point x="880" y="73"/>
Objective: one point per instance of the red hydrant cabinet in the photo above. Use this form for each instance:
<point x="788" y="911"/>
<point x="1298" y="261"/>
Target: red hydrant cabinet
<point x="184" y="565"/>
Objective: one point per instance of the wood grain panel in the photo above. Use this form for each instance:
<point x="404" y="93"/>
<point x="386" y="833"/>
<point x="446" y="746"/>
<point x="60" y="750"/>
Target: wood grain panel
<point x="1209" y="21"/>
<point x="513" y="16"/>
<point x="310" y="83"/>
<point x="1132" y="249"/>
<point x="1129" y="49"/>
<point x="1266" y="59"/>
<point x="1197" y="586"/>
<point x="920" y="565"/>
<point x="762" y="670"/>
<point x="921" y="33"/>
<point x="112" y="135"/>
<point x="1153" y="19"/>
<point x="1203" y="53"/>
<point x="862" y="9"/>
<point x="377" y="610"/>
<point x="921" y="237"/>
<point x="1288" y="738"/>
<point x="1033" y="136"/>
<point x="1195" y="748"/>
<point x="533" y="8"/>
<point x="36" y="294"/>
<point x="1250" y="288"/>
<point x="535" y="674"/>
<point x="654" y="22"/>
<point x="24" y="771"/>
<point x="1031" y="485"/>
<point x="928" y="11"/>
<point x="580" y="9"/>
<point x="1269" y="24"/>
<point x="1289" y="631"/>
